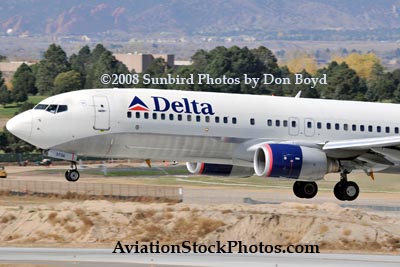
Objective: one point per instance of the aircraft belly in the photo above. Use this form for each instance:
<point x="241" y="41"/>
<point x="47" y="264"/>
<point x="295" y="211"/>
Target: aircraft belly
<point x="153" y="146"/>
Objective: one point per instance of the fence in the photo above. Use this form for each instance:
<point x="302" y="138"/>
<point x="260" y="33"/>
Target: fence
<point x="92" y="189"/>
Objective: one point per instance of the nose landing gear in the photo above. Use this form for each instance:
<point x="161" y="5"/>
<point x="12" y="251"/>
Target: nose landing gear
<point x="72" y="175"/>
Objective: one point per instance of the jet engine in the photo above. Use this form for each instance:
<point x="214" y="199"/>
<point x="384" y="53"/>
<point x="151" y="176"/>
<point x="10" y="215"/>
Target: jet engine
<point x="292" y="161"/>
<point x="211" y="169"/>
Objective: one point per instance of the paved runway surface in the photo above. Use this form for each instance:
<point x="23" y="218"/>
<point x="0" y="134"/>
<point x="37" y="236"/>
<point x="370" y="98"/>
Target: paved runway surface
<point x="104" y="257"/>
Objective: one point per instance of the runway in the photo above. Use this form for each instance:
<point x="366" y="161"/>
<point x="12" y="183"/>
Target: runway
<point x="104" y="257"/>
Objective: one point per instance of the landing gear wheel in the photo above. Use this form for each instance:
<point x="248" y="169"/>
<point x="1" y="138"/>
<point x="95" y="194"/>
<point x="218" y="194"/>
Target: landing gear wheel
<point x="345" y="190"/>
<point x="305" y="189"/>
<point x="338" y="191"/>
<point x="351" y="191"/>
<point x="72" y="175"/>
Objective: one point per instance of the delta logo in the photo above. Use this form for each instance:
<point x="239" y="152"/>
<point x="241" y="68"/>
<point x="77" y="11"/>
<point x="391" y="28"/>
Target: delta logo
<point x="138" y="105"/>
<point x="162" y="104"/>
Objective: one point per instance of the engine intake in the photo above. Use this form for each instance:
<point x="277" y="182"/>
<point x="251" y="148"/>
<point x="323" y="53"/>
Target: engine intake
<point x="292" y="161"/>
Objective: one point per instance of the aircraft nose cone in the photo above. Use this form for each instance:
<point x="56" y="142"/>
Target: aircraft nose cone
<point x="21" y="125"/>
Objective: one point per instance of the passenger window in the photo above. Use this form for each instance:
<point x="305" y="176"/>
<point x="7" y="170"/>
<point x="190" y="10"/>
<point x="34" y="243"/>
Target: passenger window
<point x="171" y="117"/>
<point x="387" y="129"/>
<point x="198" y="118"/>
<point x="362" y="128"/>
<point x="354" y="127"/>
<point x="62" y="108"/>
<point x="319" y="125"/>
<point x="345" y="127"/>
<point x="129" y="114"/>
<point x="277" y="123"/>
<point x="52" y="108"/>
<point x="269" y="122"/>
<point x="328" y="126"/>
<point x="207" y="119"/>
<point x="189" y="117"/>
<point x="294" y="124"/>
<point x="137" y="115"/>
<point x="337" y="126"/>
<point x="234" y="120"/>
<point x="146" y="115"/>
<point x="252" y="121"/>
<point x="217" y="119"/>
<point x="309" y="124"/>
<point x="285" y="123"/>
<point x="225" y="119"/>
<point x="154" y="116"/>
<point x="369" y="128"/>
<point x="378" y="129"/>
<point x="396" y="130"/>
<point x="163" y="116"/>
<point x="179" y="117"/>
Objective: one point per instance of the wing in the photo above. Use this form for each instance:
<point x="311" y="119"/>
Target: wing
<point x="369" y="154"/>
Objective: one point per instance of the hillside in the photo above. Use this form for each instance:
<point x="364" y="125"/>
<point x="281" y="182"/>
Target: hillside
<point x="196" y="17"/>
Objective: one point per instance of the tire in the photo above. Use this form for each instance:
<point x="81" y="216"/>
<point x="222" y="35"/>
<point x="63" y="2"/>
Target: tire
<point x="72" y="175"/>
<point x="67" y="175"/>
<point x="351" y="191"/>
<point x="338" y="191"/>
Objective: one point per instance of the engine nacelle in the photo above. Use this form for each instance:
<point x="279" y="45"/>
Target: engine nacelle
<point x="211" y="169"/>
<point x="292" y="161"/>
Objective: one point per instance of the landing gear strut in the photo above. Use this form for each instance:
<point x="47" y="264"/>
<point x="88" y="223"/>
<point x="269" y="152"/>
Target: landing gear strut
<point x="72" y="175"/>
<point x="305" y="189"/>
<point x="346" y="190"/>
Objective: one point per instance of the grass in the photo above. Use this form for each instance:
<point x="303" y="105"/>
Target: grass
<point x="9" y="110"/>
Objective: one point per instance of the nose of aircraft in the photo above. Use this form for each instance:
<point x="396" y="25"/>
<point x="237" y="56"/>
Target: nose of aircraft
<point x="21" y="125"/>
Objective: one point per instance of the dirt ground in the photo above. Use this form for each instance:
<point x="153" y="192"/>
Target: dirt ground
<point x="101" y="223"/>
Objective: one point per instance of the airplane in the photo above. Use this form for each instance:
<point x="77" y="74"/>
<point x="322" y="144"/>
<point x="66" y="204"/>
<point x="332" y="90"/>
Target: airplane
<point x="292" y="138"/>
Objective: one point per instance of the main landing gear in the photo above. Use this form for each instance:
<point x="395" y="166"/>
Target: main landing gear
<point x="72" y="175"/>
<point x="346" y="190"/>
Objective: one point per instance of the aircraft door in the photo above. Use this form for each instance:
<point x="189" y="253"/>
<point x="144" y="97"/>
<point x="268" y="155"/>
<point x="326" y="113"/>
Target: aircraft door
<point x="309" y="127"/>
<point x="101" y="113"/>
<point x="294" y="126"/>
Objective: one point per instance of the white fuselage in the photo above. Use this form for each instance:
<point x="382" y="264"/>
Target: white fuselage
<point x="98" y="123"/>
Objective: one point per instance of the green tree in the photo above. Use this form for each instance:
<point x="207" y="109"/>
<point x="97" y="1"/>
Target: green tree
<point x="54" y="62"/>
<point x="5" y="95"/>
<point x="342" y="83"/>
<point x="80" y="62"/>
<point x="23" y="83"/>
<point x="102" y="62"/>
<point x="67" y="81"/>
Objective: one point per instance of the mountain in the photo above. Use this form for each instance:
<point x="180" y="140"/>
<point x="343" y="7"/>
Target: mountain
<point x="195" y="17"/>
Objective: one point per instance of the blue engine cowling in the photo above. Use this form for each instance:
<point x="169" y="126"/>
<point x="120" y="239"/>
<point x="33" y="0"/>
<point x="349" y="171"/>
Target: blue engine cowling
<point x="292" y="161"/>
<point x="212" y="169"/>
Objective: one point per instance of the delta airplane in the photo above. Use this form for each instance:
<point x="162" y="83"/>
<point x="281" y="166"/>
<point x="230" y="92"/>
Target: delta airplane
<point x="220" y="134"/>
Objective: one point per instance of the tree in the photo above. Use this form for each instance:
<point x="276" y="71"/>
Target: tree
<point x="363" y="64"/>
<point x="80" y="62"/>
<point x="5" y="96"/>
<point x="102" y="62"/>
<point x="54" y="62"/>
<point x="302" y="61"/>
<point x="342" y="83"/>
<point x="23" y="83"/>
<point x="67" y="81"/>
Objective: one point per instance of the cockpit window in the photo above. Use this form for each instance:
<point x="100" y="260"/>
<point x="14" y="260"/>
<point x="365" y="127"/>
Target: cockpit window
<point x="62" y="108"/>
<point x="41" y="106"/>
<point x="52" y="108"/>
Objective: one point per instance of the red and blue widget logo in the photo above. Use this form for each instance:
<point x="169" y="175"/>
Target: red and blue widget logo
<point x="138" y="105"/>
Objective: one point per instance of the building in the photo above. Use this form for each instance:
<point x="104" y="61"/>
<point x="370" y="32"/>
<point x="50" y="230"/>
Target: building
<point x="140" y="62"/>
